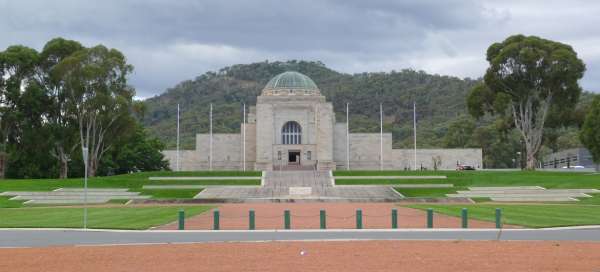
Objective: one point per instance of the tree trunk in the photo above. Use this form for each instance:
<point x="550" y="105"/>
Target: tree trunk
<point x="63" y="161"/>
<point x="64" y="168"/>
<point x="531" y="161"/>
<point x="92" y="167"/>
<point x="529" y="120"/>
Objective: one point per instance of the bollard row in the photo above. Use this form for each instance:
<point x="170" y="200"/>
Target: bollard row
<point x="287" y="219"/>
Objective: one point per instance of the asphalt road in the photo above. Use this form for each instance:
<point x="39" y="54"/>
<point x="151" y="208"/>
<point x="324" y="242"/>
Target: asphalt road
<point x="66" y="237"/>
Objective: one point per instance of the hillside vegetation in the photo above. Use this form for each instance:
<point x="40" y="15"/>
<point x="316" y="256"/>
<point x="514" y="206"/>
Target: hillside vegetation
<point x="439" y="99"/>
<point x="440" y="106"/>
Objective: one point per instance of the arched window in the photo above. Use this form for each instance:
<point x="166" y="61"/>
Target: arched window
<point x="291" y="133"/>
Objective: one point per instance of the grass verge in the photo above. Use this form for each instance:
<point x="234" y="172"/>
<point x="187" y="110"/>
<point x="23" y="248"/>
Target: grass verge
<point x="528" y="215"/>
<point x="98" y="218"/>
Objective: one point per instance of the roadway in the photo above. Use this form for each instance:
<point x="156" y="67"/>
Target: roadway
<point x="75" y="237"/>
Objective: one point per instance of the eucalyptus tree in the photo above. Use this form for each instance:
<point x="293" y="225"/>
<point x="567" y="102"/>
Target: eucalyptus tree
<point x="590" y="132"/>
<point x="527" y="78"/>
<point x="60" y="120"/>
<point x="97" y="94"/>
<point x="17" y="66"/>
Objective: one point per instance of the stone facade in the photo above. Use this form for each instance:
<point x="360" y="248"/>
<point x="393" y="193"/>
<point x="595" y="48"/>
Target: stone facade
<point x="293" y="97"/>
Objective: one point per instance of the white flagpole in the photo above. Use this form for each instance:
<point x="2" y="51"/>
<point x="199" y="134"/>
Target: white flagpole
<point x="177" y="166"/>
<point x="380" y="136"/>
<point x="210" y="152"/>
<point x="347" y="139"/>
<point x="244" y="138"/>
<point x="415" y="132"/>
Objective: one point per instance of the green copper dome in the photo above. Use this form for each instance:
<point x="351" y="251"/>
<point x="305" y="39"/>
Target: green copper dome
<point x="291" y="80"/>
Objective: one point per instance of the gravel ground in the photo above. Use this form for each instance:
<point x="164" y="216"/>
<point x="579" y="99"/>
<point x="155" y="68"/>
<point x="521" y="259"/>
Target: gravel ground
<point x="318" y="256"/>
<point x="306" y="216"/>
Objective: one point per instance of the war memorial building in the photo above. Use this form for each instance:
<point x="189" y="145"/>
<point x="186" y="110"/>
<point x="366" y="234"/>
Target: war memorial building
<point x="293" y="126"/>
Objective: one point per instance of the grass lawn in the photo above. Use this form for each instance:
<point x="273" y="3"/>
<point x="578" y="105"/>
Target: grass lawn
<point x="100" y="218"/>
<point x="530" y="215"/>
<point x="463" y="179"/>
<point x="135" y="180"/>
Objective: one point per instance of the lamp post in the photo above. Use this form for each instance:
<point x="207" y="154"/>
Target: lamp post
<point x="84" y="150"/>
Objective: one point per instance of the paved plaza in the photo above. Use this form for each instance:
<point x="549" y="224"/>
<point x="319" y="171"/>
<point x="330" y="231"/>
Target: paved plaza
<point x="300" y="185"/>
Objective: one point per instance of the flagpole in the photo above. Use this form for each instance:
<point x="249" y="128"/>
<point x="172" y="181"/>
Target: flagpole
<point x="244" y="138"/>
<point x="415" y="133"/>
<point x="380" y="136"/>
<point x="347" y="139"/>
<point x="177" y="167"/>
<point x="210" y="152"/>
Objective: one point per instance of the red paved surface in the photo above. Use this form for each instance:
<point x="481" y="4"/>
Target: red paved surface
<point x="319" y="256"/>
<point x="306" y="216"/>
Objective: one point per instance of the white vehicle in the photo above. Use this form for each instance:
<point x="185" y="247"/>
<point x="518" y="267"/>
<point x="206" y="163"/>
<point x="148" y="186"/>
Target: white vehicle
<point x="574" y="167"/>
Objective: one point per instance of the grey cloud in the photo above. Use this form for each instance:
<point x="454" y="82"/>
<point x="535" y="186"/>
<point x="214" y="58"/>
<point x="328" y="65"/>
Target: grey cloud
<point x="170" y="41"/>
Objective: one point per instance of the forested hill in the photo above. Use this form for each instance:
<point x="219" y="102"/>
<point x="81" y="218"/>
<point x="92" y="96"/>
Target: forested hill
<point x="439" y="100"/>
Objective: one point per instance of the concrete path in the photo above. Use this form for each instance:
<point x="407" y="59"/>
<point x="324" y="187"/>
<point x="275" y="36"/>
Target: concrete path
<point x="300" y="185"/>
<point x="205" y="178"/>
<point x="74" y="195"/>
<point x="390" y="177"/>
<point x="63" y="237"/>
<point x="525" y="193"/>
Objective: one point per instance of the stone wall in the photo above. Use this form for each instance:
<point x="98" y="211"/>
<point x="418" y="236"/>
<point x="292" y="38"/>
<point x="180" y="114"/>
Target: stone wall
<point x="227" y="153"/>
<point x="365" y="150"/>
<point x="446" y="158"/>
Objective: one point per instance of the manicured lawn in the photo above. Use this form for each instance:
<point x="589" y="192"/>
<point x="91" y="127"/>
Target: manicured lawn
<point x="535" y="216"/>
<point x="464" y="179"/>
<point x="101" y="218"/>
<point x="133" y="181"/>
<point x="5" y="203"/>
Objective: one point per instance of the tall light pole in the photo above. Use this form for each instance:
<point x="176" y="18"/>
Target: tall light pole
<point x="84" y="151"/>
<point x="210" y="152"/>
<point x="347" y="139"/>
<point x="177" y="167"/>
<point x="244" y="138"/>
<point x="380" y="136"/>
<point x="415" y="133"/>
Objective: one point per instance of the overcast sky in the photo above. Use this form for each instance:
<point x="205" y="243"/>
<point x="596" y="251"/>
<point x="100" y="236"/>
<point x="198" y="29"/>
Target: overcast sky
<point x="171" y="41"/>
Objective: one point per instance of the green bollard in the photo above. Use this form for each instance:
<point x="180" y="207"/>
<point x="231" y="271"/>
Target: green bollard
<point x="359" y="223"/>
<point x="394" y="218"/>
<point x="323" y="218"/>
<point x="287" y="224"/>
<point x="430" y="218"/>
<point x="216" y="219"/>
<point x="465" y="218"/>
<point x="181" y="220"/>
<point x="498" y="218"/>
<point x="251" y="218"/>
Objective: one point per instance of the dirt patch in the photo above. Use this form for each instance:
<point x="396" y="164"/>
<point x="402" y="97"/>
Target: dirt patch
<point x="306" y="216"/>
<point x="318" y="256"/>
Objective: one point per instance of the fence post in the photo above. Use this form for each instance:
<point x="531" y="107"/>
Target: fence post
<point x="430" y="218"/>
<point x="181" y="220"/>
<point x="359" y="223"/>
<point x="216" y="219"/>
<point x="251" y="223"/>
<point x="394" y="218"/>
<point x="498" y="218"/>
<point x="465" y="218"/>
<point x="323" y="219"/>
<point x="287" y="219"/>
